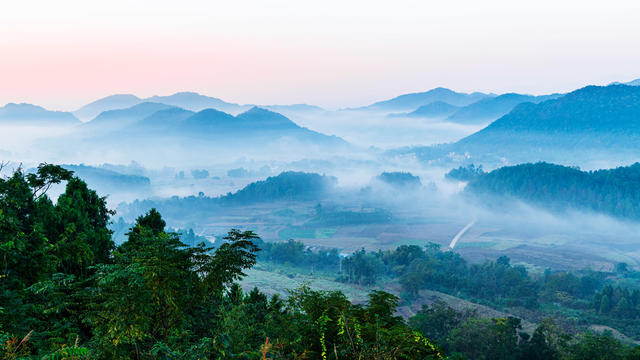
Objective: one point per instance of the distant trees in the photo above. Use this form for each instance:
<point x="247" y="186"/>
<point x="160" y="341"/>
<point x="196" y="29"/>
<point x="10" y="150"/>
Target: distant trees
<point x="200" y="174"/>
<point x="465" y="173"/>
<point x="295" y="253"/>
<point x="464" y="335"/>
<point x="418" y="268"/>
<point x="400" y="179"/>
<point x="617" y="301"/>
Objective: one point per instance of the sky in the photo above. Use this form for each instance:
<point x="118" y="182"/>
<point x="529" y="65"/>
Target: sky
<point x="334" y="53"/>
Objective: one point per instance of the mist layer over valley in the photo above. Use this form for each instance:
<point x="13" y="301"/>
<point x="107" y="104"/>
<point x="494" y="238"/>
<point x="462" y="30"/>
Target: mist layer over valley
<point x="437" y="196"/>
<point x="193" y="157"/>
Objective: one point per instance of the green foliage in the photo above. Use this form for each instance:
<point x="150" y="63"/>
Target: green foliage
<point x="614" y="192"/>
<point x="295" y="253"/>
<point x="63" y="281"/>
<point x="286" y="186"/>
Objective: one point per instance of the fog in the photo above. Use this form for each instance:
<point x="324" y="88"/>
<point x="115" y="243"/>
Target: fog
<point x="138" y="165"/>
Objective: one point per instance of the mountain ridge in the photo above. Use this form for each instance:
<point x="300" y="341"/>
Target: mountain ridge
<point x="29" y="114"/>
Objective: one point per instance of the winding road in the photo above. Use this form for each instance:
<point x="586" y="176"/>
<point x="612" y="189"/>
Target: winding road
<point x="459" y="234"/>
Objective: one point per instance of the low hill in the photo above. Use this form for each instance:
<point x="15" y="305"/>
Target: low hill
<point x="28" y="114"/>
<point x="614" y="192"/>
<point x="287" y="186"/>
<point x="399" y="179"/>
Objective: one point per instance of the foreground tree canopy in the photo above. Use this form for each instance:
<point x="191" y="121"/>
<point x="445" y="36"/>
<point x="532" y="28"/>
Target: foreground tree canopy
<point x="68" y="292"/>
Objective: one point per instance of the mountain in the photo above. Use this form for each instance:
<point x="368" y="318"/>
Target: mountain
<point x="119" y="101"/>
<point x="261" y="118"/>
<point x="410" y="102"/>
<point x="159" y="131"/>
<point x="187" y="100"/>
<point x="489" y="109"/>
<point x="115" y="119"/>
<point x="196" y="102"/>
<point x="209" y="122"/>
<point x="258" y="124"/>
<point x="436" y="109"/>
<point x="591" y="120"/>
<point x="27" y="114"/>
<point x="164" y="119"/>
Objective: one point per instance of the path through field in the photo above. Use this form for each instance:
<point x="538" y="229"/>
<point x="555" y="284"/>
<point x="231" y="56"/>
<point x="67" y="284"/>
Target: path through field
<point x="459" y="235"/>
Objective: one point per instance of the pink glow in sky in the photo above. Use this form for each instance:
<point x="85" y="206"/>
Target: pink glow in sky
<point x="63" y="54"/>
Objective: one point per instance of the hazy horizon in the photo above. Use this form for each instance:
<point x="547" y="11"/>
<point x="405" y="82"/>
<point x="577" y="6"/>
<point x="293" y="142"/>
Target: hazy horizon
<point x="66" y="54"/>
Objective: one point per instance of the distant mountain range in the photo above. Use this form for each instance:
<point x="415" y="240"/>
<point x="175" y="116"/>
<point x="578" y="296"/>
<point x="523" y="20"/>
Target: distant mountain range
<point x="587" y="123"/>
<point x="635" y="82"/>
<point x="593" y="119"/>
<point x="186" y="100"/>
<point x="410" y="102"/>
<point x="113" y="102"/>
<point x="140" y="129"/>
<point x="490" y="109"/>
<point x="27" y="114"/>
<point x="156" y="119"/>
<point x="482" y="111"/>
<point x="436" y="109"/>
<point x="120" y="118"/>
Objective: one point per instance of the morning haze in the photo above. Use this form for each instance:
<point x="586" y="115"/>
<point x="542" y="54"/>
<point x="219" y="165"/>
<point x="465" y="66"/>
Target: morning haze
<point x="319" y="180"/>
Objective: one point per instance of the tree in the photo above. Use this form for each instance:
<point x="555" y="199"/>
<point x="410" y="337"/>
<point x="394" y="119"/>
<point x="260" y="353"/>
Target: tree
<point x="156" y="283"/>
<point x="438" y="320"/>
<point x="596" y="346"/>
<point x="548" y="342"/>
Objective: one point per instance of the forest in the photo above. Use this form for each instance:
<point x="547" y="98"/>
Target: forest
<point x="559" y="188"/>
<point x="68" y="292"/>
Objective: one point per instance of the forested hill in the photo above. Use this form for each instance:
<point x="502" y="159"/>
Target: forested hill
<point x="595" y="123"/>
<point x="289" y="185"/>
<point x="614" y="192"/>
<point x="595" y="118"/>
